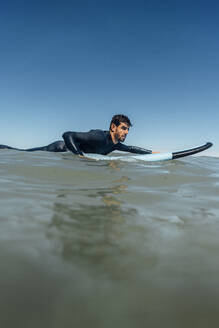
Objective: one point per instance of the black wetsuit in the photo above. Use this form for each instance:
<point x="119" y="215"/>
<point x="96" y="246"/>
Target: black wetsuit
<point x="94" y="141"/>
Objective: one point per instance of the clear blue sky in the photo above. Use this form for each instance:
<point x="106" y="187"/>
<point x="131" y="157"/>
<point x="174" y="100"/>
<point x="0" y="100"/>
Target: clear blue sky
<point x="71" y="65"/>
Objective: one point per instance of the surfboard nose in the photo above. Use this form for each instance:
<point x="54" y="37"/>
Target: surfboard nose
<point x="192" y="151"/>
<point x="209" y="144"/>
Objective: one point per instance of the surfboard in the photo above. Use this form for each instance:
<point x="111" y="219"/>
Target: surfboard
<point x="151" y="157"/>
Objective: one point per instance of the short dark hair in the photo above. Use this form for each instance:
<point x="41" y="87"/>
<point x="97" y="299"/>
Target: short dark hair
<point x="120" y="118"/>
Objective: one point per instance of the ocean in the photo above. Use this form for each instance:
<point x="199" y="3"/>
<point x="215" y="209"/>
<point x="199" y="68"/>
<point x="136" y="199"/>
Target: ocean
<point x="104" y="244"/>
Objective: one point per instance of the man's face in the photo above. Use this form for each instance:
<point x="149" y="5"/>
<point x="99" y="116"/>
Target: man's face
<point x="120" y="132"/>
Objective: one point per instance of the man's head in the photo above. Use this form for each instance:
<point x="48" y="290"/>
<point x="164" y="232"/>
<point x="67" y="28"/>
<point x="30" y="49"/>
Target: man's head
<point x="119" y="127"/>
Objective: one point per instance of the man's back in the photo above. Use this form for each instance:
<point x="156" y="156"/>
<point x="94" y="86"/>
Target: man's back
<point x="93" y="141"/>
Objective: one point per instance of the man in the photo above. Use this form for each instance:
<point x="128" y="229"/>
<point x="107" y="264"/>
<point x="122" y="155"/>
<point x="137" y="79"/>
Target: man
<point x="94" y="141"/>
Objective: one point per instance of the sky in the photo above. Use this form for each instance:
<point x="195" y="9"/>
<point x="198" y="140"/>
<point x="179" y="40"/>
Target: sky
<point x="71" y="65"/>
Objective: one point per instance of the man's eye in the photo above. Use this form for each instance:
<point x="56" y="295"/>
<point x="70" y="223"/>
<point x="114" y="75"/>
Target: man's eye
<point x="124" y="128"/>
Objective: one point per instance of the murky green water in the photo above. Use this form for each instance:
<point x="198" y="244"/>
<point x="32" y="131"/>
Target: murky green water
<point x="108" y="244"/>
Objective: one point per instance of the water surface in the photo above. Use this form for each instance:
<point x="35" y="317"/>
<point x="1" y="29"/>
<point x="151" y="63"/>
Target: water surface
<point x="89" y="243"/>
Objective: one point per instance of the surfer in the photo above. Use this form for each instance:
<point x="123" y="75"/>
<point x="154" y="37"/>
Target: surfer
<point x="95" y="141"/>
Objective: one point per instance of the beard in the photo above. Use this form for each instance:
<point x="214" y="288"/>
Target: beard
<point x="121" y="139"/>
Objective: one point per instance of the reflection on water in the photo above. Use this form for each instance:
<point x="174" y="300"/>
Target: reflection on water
<point x="97" y="236"/>
<point x="90" y="233"/>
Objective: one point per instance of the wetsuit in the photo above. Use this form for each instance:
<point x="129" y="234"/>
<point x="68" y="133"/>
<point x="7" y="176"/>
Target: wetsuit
<point x="94" y="141"/>
<point x="57" y="146"/>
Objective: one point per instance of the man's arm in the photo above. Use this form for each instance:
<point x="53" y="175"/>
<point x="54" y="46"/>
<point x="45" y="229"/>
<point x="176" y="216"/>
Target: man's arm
<point x="132" y="149"/>
<point x="70" y="139"/>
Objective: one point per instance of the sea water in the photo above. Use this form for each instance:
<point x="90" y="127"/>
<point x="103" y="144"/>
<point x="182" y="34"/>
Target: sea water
<point x="87" y="243"/>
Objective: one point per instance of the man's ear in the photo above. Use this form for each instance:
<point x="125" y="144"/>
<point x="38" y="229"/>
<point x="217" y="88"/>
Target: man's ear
<point x="113" y="126"/>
